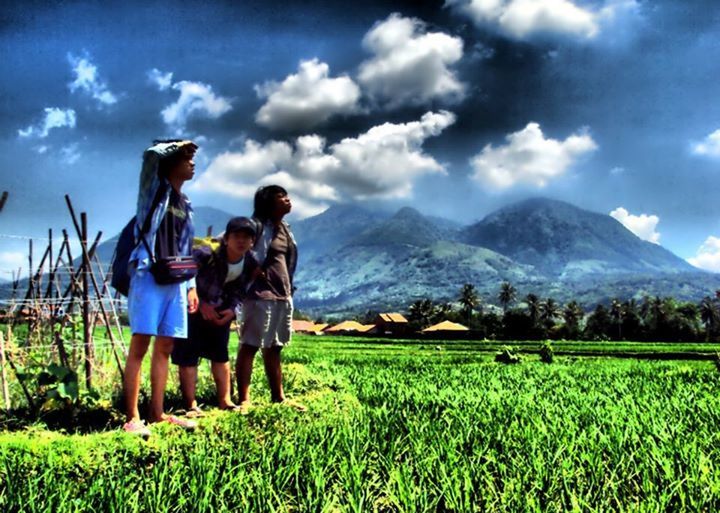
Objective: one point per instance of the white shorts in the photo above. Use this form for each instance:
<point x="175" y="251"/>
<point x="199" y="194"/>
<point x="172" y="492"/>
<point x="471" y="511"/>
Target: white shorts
<point x="266" y="323"/>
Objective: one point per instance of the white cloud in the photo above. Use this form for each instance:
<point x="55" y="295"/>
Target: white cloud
<point x="54" y="118"/>
<point x="70" y="154"/>
<point x="617" y="170"/>
<point x="383" y="162"/>
<point x="529" y="158"/>
<point x="196" y="99"/>
<point x="410" y="65"/>
<point x="708" y="255"/>
<point x="307" y="98"/>
<point x="88" y="80"/>
<point x="522" y="19"/>
<point x="159" y="79"/>
<point x="710" y="146"/>
<point x="644" y="226"/>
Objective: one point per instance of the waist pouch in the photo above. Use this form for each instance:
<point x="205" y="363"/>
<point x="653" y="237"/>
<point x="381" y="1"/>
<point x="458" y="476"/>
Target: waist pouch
<point x="169" y="270"/>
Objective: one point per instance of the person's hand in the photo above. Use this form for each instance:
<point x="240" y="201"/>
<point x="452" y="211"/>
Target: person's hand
<point x="226" y="316"/>
<point x="193" y="301"/>
<point x="208" y="312"/>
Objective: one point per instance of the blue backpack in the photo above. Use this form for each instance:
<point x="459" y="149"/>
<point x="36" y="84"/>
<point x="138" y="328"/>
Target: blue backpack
<point x="120" y="279"/>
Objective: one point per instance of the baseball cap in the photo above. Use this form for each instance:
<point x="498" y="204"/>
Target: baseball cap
<point x="241" y="224"/>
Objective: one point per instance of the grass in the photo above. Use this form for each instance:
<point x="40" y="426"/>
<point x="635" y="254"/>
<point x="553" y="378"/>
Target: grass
<point x="404" y="426"/>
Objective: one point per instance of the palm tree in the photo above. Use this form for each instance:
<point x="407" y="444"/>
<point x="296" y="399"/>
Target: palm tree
<point x="443" y="310"/>
<point x="507" y="295"/>
<point x="572" y="315"/>
<point x="656" y="314"/>
<point x="422" y="312"/>
<point x="533" y="303"/>
<point x="469" y="301"/>
<point x="708" y="316"/>
<point x="549" y="311"/>
<point x="617" y="314"/>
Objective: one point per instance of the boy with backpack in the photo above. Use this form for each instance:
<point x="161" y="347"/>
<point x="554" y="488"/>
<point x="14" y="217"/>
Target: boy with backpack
<point x="161" y="289"/>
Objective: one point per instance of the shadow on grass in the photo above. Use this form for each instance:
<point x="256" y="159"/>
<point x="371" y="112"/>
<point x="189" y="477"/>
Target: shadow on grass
<point x="86" y="419"/>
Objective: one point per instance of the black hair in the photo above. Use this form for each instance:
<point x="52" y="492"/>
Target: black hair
<point x="167" y="164"/>
<point x="264" y="203"/>
<point x="167" y="141"/>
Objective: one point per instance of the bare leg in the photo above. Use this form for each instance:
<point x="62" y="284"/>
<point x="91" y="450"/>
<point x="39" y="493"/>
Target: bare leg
<point x="188" y="382"/>
<point x="158" y="376"/>
<point x="221" y="374"/>
<point x="131" y="384"/>
<point x="243" y="371"/>
<point x="271" y="358"/>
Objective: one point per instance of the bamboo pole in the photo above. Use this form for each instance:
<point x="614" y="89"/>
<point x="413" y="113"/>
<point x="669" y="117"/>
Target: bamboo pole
<point x="87" y="334"/>
<point x="76" y="275"/>
<point x="3" y="374"/>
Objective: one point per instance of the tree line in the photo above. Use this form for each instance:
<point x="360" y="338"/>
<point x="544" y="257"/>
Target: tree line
<point x="535" y="318"/>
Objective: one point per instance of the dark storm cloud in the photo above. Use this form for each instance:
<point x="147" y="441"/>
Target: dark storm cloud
<point x="641" y="88"/>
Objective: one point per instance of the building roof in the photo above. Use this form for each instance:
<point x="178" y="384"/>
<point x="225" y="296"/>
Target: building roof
<point x="366" y="328"/>
<point x="392" y="317"/>
<point x="345" y="326"/>
<point x="298" y="325"/>
<point x="446" y="326"/>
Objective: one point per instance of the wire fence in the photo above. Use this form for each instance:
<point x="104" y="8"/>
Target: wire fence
<point x="52" y="311"/>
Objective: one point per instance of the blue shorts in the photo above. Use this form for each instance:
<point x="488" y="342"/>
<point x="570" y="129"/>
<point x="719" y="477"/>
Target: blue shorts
<point x="157" y="309"/>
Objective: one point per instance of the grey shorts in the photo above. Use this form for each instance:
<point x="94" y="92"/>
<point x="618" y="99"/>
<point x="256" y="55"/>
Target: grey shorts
<point x="266" y="323"/>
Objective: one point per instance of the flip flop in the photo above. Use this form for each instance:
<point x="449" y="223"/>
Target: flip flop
<point x="137" y="428"/>
<point x="194" y="413"/>
<point x="187" y="425"/>
<point x="234" y="407"/>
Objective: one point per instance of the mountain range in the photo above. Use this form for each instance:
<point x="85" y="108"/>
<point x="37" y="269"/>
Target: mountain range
<point x="353" y="258"/>
<point x="547" y="247"/>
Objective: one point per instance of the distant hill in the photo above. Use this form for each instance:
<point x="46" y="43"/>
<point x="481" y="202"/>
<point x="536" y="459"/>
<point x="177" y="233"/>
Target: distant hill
<point x="547" y="247"/>
<point x="333" y="228"/>
<point x="394" y="262"/>
<point x="564" y="241"/>
<point x="407" y="227"/>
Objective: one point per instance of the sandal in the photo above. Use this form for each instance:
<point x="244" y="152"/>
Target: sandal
<point x="194" y="413"/>
<point x="187" y="425"/>
<point x="232" y="407"/>
<point x="138" y="428"/>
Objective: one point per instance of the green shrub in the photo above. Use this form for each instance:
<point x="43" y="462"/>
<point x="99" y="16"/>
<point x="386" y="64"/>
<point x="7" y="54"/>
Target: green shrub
<point x="507" y="355"/>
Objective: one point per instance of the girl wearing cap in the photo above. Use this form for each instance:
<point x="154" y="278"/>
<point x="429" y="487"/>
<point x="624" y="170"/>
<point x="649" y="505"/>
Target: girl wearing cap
<point x="267" y="311"/>
<point x="163" y="226"/>
<point x="222" y="281"/>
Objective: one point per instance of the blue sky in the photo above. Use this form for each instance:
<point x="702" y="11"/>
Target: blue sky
<point x="454" y="107"/>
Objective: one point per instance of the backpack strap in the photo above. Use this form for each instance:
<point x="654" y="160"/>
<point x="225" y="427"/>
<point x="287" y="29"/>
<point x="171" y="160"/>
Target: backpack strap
<point x="148" y="218"/>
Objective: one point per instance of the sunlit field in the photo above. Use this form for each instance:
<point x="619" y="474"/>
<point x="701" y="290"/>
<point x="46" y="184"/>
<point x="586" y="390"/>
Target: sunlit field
<point x="409" y="425"/>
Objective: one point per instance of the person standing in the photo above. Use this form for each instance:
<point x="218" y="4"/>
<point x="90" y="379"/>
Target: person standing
<point x="223" y="278"/>
<point x="163" y="228"/>
<point x="267" y="310"/>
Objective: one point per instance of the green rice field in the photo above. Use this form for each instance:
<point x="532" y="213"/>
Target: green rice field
<point x="408" y="425"/>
